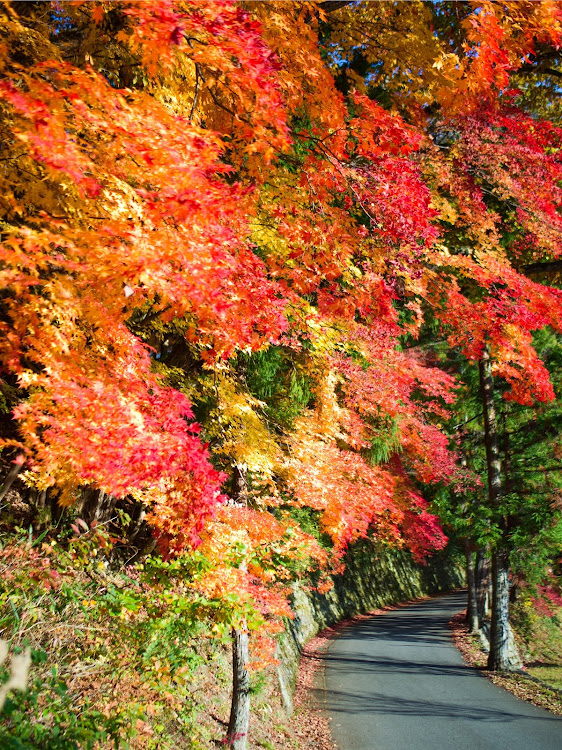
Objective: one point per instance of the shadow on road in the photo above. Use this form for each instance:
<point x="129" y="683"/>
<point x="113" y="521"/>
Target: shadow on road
<point x="398" y="678"/>
<point x="423" y="625"/>
<point x="357" y="662"/>
<point x="378" y="703"/>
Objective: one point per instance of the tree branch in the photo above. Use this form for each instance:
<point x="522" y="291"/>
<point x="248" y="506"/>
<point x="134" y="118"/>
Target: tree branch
<point x="539" y="68"/>
<point x="549" y="266"/>
<point x="196" y="94"/>
<point x="329" y="6"/>
<point x="539" y="469"/>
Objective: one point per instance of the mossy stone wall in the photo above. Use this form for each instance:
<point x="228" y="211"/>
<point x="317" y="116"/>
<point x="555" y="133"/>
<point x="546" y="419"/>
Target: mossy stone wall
<point x="373" y="577"/>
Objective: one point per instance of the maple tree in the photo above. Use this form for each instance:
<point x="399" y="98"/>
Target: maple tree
<point x="491" y="163"/>
<point x="57" y="112"/>
<point x="227" y="229"/>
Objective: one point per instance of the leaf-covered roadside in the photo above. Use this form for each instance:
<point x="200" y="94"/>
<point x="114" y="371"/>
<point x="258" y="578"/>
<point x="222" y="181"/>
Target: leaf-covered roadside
<point x="518" y="683"/>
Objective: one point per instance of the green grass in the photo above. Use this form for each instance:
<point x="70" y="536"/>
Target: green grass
<point x="539" y="636"/>
<point x="552" y="675"/>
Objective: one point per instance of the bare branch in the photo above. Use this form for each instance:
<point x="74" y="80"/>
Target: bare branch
<point x="196" y="94"/>
<point x="329" y="6"/>
<point x="548" y="267"/>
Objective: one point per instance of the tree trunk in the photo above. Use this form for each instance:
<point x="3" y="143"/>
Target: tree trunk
<point x="501" y="641"/>
<point x="10" y="478"/>
<point x="240" y="483"/>
<point x="97" y="506"/>
<point x="490" y="430"/>
<point x="483" y="596"/>
<point x="499" y="656"/>
<point x="239" y="721"/>
<point x="471" y="605"/>
<point x="472" y="608"/>
<point x="240" y="708"/>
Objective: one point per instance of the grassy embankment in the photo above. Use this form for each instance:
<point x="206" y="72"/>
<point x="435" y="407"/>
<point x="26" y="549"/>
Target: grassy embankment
<point x="538" y="625"/>
<point x="122" y="656"/>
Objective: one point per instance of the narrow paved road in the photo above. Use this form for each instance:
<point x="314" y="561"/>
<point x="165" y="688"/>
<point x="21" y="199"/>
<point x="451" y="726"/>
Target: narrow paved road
<point x="396" y="682"/>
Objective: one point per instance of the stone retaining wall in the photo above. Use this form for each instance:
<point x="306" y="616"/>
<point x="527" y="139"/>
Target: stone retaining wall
<point x="373" y="577"/>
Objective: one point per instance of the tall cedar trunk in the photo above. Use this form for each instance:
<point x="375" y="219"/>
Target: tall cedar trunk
<point x="499" y="632"/>
<point x="240" y="706"/>
<point x="471" y="605"/>
<point x="508" y="484"/>
<point x="472" y="608"/>
<point x="499" y="656"/>
<point x="483" y="596"/>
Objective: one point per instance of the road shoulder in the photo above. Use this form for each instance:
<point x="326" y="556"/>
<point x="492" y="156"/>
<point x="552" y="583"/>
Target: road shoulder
<point x="524" y="687"/>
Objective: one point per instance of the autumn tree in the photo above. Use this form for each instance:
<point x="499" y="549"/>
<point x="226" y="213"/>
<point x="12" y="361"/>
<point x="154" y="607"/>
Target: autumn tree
<point x="225" y="227"/>
<point x="498" y="203"/>
<point x="145" y="216"/>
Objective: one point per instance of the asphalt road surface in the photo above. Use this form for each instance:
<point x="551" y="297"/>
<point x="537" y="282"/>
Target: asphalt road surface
<point x="396" y="682"/>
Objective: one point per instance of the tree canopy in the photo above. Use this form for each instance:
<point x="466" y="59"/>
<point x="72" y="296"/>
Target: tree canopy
<point x="236" y="237"/>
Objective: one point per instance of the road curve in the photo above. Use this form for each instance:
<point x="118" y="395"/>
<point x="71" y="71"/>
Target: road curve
<point x="396" y="682"/>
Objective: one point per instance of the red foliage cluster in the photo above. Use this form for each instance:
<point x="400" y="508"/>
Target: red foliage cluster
<point x="271" y="207"/>
<point x="549" y="596"/>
